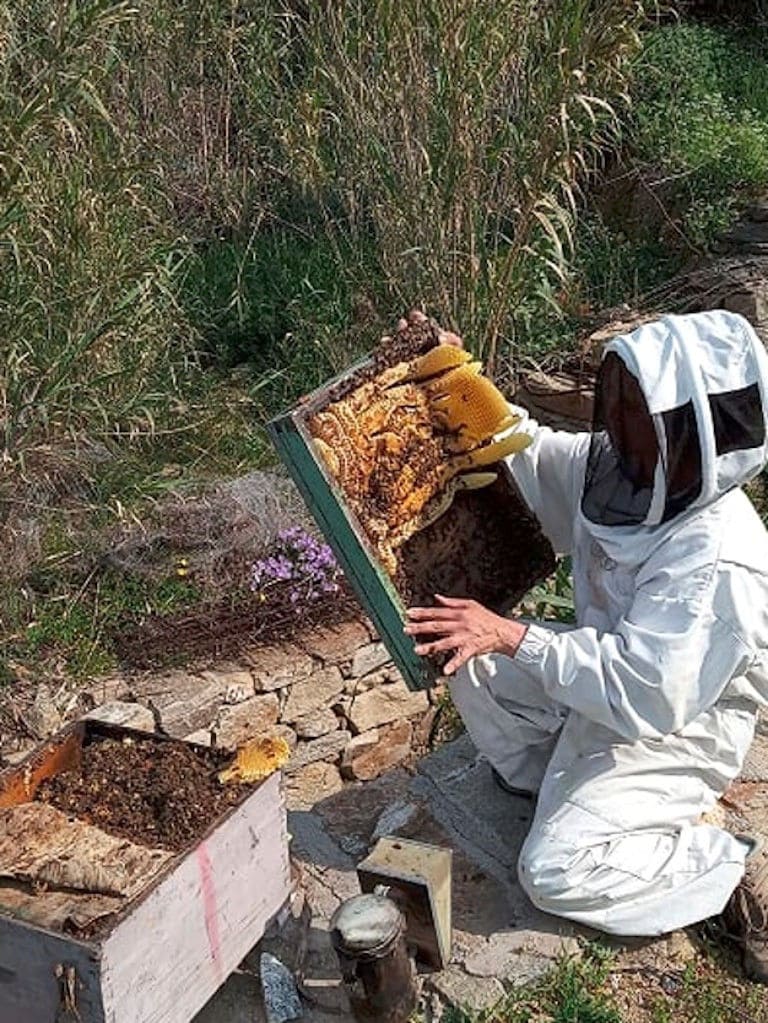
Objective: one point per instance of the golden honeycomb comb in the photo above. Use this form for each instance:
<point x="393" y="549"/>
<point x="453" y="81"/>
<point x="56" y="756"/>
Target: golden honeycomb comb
<point x="255" y="760"/>
<point x="473" y="405"/>
<point x="452" y="381"/>
<point x="439" y="360"/>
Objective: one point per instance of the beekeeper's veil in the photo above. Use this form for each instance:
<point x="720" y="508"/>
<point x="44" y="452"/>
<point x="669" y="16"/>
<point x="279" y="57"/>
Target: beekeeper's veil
<point x="680" y="419"/>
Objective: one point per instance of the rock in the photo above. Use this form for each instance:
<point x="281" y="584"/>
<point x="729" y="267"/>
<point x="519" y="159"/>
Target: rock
<point x="390" y="702"/>
<point x="327" y="747"/>
<point x="202" y="737"/>
<point x="286" y="938"/>
<point x="184" y="702"/>
<point x="319" y="690"/>
<point x="748" y="236"/>
<point x="239" y="1000"/>
<point x="759" y="212"/>
<point x="43" y="717"/>
<point x="235" y="682"/>
<point x="422" y="729"/>
<point x="457" y="989"/>
<point x="353" y="685"/>
<point x="370" y="761"/>
<point x="275" y="667"/>
<point x="106" y="689"/>
<point x="509" y="959"/>
<point x="312" y="784"/>
<point x="235" y="725"/>
<point x="126" y="715"/>
<point x="321" y="722"/>
<point x="750" y="302"/>
<point x="337" y="643"/>
<point x="281" y="996"/>
<point x="358" y="745"/>
<point x="13" y="757"/>
<point x="368" y="659"/>
<point x="283" y="732"/>
<point x="394" y="818"/>
<point x="351" y="817"/>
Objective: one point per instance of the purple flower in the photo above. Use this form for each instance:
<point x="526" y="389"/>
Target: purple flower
<point x="300" y="560"/>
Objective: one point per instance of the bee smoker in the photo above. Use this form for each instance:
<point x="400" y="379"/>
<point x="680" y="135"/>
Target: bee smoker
<point x="402" y="917"/>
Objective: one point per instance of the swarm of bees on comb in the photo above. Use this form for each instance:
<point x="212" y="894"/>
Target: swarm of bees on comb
<point x="404" y="441"/>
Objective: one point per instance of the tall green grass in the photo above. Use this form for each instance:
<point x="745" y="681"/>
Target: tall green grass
<point x="452" y="135"/>
<point x="92" y="343"/>
<point x="431" y="147"/>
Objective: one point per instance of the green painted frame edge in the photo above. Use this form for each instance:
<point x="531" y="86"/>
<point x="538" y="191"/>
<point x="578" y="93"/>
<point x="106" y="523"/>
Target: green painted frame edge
<point x="325" y="501"/>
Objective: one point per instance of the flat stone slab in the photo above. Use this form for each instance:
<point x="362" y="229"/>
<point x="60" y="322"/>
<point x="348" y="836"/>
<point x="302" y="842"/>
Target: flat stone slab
<point x="499" y="939"/>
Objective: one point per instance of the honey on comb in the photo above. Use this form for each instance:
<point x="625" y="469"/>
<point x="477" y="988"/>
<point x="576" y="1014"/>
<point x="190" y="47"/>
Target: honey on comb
<point x="256" y="760"/>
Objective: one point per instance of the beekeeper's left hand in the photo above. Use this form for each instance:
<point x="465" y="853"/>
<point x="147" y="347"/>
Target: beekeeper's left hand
<point x="465" y="627"/>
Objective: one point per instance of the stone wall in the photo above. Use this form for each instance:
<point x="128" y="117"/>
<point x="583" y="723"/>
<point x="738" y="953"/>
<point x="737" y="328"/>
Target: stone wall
<point x="333" y="694"/>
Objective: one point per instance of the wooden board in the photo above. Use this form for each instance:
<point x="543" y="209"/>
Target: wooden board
<point x="165" y="960"/>
<point x="370" y="582"/>
<point x="171" y="948"/>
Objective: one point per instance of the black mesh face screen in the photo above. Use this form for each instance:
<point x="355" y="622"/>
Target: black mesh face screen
<point x="618" y="486"/>
<point x="737" y="418"/>
<point x="682" y="458"/>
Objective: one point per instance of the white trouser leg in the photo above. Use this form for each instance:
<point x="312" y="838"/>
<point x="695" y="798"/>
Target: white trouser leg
<point x="509" y="718"/>
<point x="616" y="843"/>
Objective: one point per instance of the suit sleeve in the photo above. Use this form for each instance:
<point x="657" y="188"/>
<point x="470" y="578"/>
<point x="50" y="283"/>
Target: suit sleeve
<point x="550" y="476"/>
<point x="669" y="659"/>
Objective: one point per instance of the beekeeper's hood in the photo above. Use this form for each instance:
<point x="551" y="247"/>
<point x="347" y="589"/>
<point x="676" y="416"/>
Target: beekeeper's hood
<point x="681" y="413"/>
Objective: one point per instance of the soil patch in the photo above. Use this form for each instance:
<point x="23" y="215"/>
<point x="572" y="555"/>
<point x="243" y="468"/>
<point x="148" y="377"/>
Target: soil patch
<point x="161" y="794"/>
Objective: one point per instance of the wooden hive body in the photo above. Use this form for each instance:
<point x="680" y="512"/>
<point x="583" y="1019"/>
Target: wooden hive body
<point x="170" y="950"/>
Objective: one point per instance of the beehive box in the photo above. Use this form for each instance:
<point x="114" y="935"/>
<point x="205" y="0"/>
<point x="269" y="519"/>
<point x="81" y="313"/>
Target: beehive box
<point x="487" y="546"/>
<point x="172" y="941"/>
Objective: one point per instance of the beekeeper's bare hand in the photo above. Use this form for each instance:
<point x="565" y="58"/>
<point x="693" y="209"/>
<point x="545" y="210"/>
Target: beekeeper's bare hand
<point x="465" y="627"/>
<point x="447" y="337"/>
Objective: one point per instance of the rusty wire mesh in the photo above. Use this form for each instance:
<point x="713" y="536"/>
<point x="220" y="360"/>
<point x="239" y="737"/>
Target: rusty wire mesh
<point x="224" y="627"/>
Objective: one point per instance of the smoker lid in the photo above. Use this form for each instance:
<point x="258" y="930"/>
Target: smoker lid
<point x="366" y="926"/>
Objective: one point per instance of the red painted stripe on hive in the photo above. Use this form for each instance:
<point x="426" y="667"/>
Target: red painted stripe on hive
<point x="210" y="908"/>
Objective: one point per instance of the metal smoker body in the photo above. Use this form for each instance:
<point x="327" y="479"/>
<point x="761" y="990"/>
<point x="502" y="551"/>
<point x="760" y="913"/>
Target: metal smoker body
<point x="403" y="916"/>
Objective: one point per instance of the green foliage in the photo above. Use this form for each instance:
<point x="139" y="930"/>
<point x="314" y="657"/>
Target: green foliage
<point x="282" y="304"/>
<point x="694" y="147"/>
<point x="69" y="620"/>
<point x="451" y="135"/>
<point x="553" y="599"/>
<point x="90" y="338"/>
<point x="612" y="268"/>
<point x="572" y="992"/>
<point x="701" y="116"/>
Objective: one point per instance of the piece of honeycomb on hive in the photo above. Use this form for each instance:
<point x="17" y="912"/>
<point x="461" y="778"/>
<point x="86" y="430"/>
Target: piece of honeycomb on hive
<point x="256" y="760"/>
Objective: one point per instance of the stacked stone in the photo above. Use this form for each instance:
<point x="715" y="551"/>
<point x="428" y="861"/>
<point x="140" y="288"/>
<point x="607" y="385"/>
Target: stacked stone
<point x="334" y="695"/>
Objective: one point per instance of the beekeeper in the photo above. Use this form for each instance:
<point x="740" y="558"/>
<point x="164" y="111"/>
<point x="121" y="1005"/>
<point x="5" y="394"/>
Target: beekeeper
<point x="631" y="724"/>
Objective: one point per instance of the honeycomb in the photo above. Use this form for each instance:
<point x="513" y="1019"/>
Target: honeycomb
<point x="403" y="438"/>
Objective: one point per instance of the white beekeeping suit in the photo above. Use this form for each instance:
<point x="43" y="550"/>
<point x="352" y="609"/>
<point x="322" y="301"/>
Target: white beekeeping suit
<point x="633" y="723"/>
